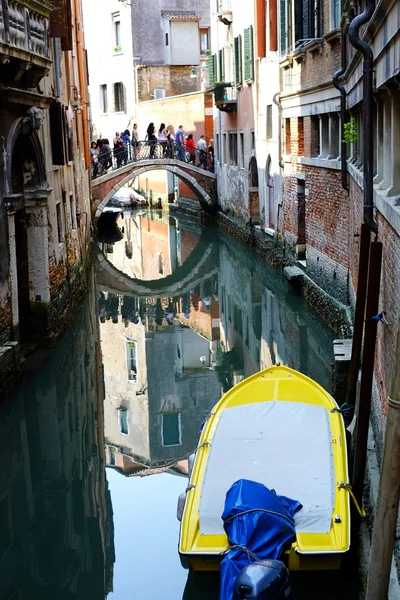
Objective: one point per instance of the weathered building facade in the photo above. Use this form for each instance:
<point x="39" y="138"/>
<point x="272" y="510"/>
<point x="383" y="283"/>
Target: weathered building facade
<point x="45" y="211"/>
<point x="232" y="76"/>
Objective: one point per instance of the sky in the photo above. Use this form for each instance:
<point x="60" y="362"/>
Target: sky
<point x="147" y="565"/>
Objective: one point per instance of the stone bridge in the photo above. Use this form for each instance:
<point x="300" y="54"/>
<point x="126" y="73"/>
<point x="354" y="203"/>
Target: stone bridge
<point x="202" y="263"/>
<point x="201" y="182"/>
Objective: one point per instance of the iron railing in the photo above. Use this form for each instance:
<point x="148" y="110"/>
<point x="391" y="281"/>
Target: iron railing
<point x="149" y="150"/>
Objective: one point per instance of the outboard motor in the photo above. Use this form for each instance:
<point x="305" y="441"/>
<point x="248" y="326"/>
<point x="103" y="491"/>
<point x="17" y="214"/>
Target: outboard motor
<point x="262" y="580"/>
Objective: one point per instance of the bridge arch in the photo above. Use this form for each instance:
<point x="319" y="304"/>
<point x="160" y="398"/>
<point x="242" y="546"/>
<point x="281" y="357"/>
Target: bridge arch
<point x="201" y="264"/>
<point x="201" y="182"/>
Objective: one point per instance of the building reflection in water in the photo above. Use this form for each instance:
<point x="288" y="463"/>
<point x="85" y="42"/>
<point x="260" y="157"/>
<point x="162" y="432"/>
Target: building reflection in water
<point x="185" y="315"/>
<point x="183" y="318"/>
<point x="56" y="526"/>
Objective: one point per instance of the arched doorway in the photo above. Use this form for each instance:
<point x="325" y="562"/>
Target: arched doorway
<point x="270" y="209"/>
<point x="254" y="200"/>
<point x="27" y="225"/>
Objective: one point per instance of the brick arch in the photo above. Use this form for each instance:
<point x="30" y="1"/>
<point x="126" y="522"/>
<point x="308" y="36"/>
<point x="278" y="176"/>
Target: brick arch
<point x="173" y="166"/>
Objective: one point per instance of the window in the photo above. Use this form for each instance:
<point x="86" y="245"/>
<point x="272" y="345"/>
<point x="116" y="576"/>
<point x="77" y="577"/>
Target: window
<point x="233" y="148"/>
<point x="335" y="14"/>
<point x="123" y="422"/>
<point x="248" y="54"/>
<point x="238" y="60"/>
<point x="253" y="140"/>
<point x="221" y="65"/>
<point x="60" y="231"/>
<point x="171" y="429"/>
<point x="314" y="136"/>
<point x="304" y="23"/>
<point x="117" y="31"/>
<point x="72" y="208"/>
<point x="160" y="263"/>
<point x="111" y="454"/>
<point x="131" y="360"/>
<point x="166" y="39"/>
<point x="204" y="41"/>
<point x="217" y="148"/>
<point x="225" y="149"/>
<point x="103" y="98"/>
<point x="287" y="136"/>
<point x="269" y="121"/>
<point x="241" y="150"/>
<point x="119" y="104"/>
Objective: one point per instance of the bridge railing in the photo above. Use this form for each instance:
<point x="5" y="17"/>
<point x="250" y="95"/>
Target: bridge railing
<point x="112" y="159"/>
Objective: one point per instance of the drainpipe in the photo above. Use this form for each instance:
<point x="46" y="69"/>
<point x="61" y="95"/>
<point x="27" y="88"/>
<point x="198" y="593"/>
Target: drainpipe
<point x="366" y="51"/>
<point x="339" y="86"/>
<point x="83" y="87"/>
<point x="277" y="100"/>
<point x="57" y="66"/>
<point x="375" y="262"/>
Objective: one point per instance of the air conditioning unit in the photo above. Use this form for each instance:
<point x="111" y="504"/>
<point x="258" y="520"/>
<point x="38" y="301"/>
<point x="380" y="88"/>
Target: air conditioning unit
<point x="159" y="93"/>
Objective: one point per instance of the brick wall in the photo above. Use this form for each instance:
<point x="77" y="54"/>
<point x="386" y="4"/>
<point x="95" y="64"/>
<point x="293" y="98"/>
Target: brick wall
<point x="174" y="80"/>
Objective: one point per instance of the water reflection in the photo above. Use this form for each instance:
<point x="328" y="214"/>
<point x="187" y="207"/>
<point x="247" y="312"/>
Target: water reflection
<point x="184" y="315"/>
<point x="56" y="526"/>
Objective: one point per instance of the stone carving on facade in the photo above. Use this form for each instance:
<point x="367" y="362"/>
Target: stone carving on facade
<point x="32" y="120"/>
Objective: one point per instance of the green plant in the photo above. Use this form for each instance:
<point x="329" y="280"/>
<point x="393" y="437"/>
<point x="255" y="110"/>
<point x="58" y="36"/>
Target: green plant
<point x="117" y="49"/>
<point x="350" y="133"/>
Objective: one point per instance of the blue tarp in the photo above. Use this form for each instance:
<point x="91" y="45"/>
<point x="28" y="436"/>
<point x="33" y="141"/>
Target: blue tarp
<point x="259" y="524"/>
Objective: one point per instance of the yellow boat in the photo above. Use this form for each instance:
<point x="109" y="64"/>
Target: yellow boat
<point x="282" y="429"/>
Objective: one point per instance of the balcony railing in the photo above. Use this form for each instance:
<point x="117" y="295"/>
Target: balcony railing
<point x="24" y="40"/>
<point x="225" y="97"/>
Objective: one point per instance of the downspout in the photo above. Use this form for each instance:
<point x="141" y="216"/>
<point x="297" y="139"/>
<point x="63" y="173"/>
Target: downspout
<point x="81" y="60"/>
<point x="366" y="51"/>
<point x="339" y="86"/>
<point x="277" y="100"/>
<point x="57" y="66"/>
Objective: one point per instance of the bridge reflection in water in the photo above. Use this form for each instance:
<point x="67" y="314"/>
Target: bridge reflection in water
<point x="184" y="315"/>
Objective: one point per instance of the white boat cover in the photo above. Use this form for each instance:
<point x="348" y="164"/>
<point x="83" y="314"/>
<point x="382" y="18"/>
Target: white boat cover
<point x="286" y="446"/>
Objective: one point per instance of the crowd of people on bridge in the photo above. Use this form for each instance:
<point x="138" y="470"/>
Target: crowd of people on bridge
<point x="158" y="143"/>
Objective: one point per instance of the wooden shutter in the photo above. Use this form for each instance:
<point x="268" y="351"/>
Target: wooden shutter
<point x="248" y="54"/>
<point x="212" y="59"/>
<point x="57" y="133"/>
<point x="61" y="23"/>
<point x="221" y="65"/>
<point x="238" y="60"/>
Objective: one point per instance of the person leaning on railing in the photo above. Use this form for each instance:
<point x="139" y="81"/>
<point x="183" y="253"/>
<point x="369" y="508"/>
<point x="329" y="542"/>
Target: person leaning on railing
<point x="151" y="139"/>
<point x="134" y="141"/>
<point x="191" y="149"/>
<point x="105" y="155"/>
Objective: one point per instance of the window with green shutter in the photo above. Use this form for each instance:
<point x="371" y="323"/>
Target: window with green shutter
<point x="221" y="65"/>
<point x="248" y="54"/>
<point x="212" y="60"/>
<point x="238" y="60"/>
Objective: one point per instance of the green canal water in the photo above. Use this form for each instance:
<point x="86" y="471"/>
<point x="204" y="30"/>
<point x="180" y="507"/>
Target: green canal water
<point x="93" y="444"/>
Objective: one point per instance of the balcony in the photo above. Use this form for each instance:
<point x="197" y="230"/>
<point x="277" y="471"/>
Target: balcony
<point x="24" y="42"/>
<point x="224" y="12"/>
<point x="225" y="97"/>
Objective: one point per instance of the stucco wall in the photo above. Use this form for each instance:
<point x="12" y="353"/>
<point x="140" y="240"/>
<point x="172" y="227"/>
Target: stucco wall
<point x="106" y="66"/>
<point x="148" y="31"/>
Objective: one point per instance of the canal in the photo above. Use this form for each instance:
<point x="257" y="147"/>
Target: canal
<point x="93" y="444"/>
